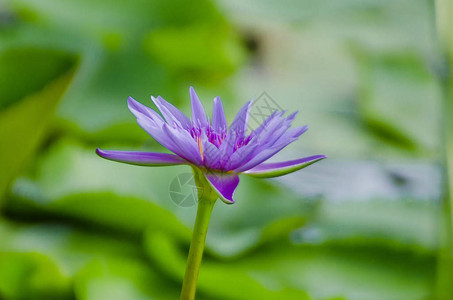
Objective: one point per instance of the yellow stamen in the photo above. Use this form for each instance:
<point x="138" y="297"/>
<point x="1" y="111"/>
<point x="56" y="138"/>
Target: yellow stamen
<point x="200" y="146"/>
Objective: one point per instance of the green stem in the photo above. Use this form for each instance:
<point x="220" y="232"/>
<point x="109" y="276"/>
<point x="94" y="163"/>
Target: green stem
<point x="206" y="201"/>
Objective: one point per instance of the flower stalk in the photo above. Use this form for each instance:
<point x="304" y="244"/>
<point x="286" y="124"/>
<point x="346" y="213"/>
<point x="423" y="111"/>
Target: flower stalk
<point x="206" y="200"/>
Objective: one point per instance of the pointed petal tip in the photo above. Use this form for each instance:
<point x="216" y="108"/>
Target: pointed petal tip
<point x="103" y="153"/>
<point x="292" y="116"/>
<point x="301" y="130"/>
<point x="316" y="158"/>
<point x="134" y="105"/>
<point x="229" y="202"/>
<point x="218" y="115"/>
<point x="158" y="100"/>
<point x="249" y="106"/>
<point x="131" y="101"/>
<point x="192" y="92"/>
<point x="155" y="101"/>
<point x="99" y="152"/>
<point x="198" y="113"/>
<point x="217" y="102"/>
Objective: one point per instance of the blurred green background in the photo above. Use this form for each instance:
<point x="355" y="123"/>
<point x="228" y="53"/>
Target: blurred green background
<point x="366" y="75"/>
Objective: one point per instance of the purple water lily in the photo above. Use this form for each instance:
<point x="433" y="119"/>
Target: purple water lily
<point x="219" y="152"/>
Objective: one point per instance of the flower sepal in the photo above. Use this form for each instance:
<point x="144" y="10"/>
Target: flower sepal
<point x="204" y="189"/>
<point x="212" y="185"/>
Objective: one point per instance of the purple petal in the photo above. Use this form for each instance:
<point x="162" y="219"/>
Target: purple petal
<point x="224" y="185"/>
<point x="264" y="155"/>
<point x="171" y="113"/>
<point x="227" y="147"/>
<point x="241" y="156"/>
<point x="158" y="134"/>
<point x="273" y="130"/>
<point x="142" y="158"/>
<point x="296" y="131"/>
<point x="143" y="111"/>
<point x="266" y="122"/>
<point x="198" y="114"/>
<point x="282" y="137"/>
<point x="283" y="168"/>
<point x="292" y="116"/>
<point x="219" y="122"/>
<point x="239" y="124"/>
<point x="152" y="123"/>
<point x="270" y="145"/>
<point x="211" y="154"/>
<point x="186" y="147"/>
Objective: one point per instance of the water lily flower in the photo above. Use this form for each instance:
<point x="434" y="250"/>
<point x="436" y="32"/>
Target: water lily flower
<point x="219" y="152"/>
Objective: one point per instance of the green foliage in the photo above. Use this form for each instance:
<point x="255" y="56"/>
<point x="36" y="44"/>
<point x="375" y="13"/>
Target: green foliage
<point x="32" y="276"/>
<point x="23" y="125"/>
<point x="208" y="51"/>
<point x="27" y="71"/>
<point x="74" y="226"/>
<point x="398" y="95"/>
<point x="123" y="279"/>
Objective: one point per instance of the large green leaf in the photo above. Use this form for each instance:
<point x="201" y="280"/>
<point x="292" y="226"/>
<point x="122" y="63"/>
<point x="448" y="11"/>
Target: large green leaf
<point x="31" y="276"/>
<point x="105" y="210"/>
<point x="25" y="71"/>
<point x="23" y="125"/>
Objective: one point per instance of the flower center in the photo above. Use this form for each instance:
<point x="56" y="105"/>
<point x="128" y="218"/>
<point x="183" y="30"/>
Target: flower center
<point x="216" y="138"/>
